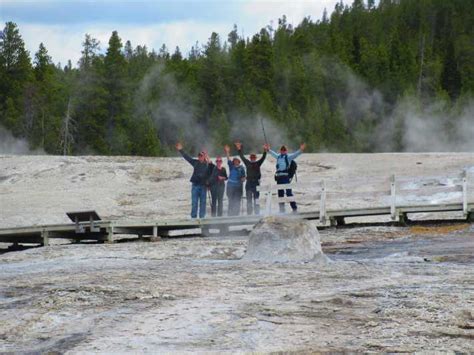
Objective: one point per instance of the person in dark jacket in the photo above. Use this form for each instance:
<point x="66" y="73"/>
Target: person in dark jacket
<point x="199" y="181"/>
<point x="234" y="183"/>
<point x="217" y="180"/>
<point x="282" y="176"/>
<point x="253" y="177"/>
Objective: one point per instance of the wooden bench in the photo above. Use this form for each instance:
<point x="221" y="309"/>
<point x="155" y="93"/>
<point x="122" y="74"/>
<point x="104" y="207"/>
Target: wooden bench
<point x="84" y="216"/>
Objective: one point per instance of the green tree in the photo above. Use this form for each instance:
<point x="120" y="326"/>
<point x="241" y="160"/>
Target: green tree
<point x="212" y="77"/>
<point x="331" y="83"/>
<point x="44" y="128"/>
<point x="90" y="101"/>
<point x="259" y="61"/>
<point x="15" y="74"/>
<point x="220" y="127"/>
<point x="90" y="50"/>
<point x="144" y="137"/>
<point x="118" y="104"/>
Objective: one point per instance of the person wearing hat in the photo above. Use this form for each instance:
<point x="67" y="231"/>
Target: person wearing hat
<point x="199" y="181"/>
<point x="234" y="183"/>
<point x="282" y="172"/>
<point x="217" y="187"/>
<point x="253" y="177"/>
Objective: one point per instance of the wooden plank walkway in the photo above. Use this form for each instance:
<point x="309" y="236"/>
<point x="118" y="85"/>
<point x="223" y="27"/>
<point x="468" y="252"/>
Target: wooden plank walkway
<point x="317" y="192"/>
<point x="107" y="230"/>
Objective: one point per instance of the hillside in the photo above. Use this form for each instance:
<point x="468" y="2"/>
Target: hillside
<point x="396" y="76"/>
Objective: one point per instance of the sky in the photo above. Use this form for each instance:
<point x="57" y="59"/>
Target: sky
<point x="62" y="24"/>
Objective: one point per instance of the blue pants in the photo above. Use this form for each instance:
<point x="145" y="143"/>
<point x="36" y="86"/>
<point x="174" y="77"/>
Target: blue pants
<point x="289" y="193"/>
<point x="198" y="195"/>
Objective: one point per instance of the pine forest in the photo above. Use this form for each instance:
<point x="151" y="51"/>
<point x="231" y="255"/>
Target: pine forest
<point x="367" y="77"/>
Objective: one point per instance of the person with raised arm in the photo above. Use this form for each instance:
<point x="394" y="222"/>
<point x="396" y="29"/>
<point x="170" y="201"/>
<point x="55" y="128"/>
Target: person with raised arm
<point x="253" y="177"/>
<point x="234" y="183"/>
<point x="283" y="174"/>
<point x="199" y="181"/>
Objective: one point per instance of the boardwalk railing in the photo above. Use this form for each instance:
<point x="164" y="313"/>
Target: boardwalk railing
<point x="400" y="194"/>
<point x="331" y="199"/>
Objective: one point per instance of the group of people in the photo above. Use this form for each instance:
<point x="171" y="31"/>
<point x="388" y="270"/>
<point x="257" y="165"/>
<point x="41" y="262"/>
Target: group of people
<point x="213" y="177"/>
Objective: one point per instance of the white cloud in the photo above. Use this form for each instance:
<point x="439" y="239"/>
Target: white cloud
<point x="65" y="42"/>
<point x="265" y="11"/>
<point x="62" y="43"/>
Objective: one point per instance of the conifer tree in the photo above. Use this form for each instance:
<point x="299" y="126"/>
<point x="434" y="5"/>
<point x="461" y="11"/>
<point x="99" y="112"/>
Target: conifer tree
<point x="117" y="107"/>
<point x="45" y="121"/>
<point x="300" y="76"/>
<point x="89" y="101"/>
<point x="15" y="74"/>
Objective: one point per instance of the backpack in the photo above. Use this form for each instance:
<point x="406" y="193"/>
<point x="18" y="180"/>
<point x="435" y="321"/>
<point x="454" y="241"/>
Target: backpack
<point x="291" y="168"/>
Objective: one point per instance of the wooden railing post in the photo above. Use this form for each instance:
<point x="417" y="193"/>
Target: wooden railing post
<point x="92" y="227"/>
<point x="393" y="198"/>
<point x="45" y="237"/>
<point x="464" y="192"/>
<point x="322" y="208"/>
<point x="110" y="234"/>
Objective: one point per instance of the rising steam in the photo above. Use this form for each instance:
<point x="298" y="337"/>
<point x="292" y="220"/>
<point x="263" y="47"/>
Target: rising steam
<point x="173" y="108"/>
<point x="411" y="125"/>
<point x="11" y="145"/>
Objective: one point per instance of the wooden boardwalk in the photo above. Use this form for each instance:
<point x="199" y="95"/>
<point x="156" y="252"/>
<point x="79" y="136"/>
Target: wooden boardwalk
<point x="318" y="193"/>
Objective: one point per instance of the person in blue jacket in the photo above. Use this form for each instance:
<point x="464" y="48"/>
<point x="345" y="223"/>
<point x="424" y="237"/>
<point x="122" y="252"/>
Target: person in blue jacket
<point x="199" y="181"/>
<point x="281" y="175"/>
<point x="234" y="183"/>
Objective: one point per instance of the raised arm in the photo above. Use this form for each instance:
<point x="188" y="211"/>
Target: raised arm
<point x="294" y="155"/>
<point x="190" y="160"/>
<point x="273" y="153"/>
<point x="264" y="155"/>
<point x="298" y="152"/>
<point x="227" y="152"/>
<point x="238" y="145"/>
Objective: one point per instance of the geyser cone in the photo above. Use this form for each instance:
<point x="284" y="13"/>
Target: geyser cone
<point x="284" y="239"/>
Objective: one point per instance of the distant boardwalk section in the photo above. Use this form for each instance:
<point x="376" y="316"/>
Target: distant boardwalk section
<point x="399" y="197"/>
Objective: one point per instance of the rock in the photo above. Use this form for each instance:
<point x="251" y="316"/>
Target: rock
<point x="284" y="239"/>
